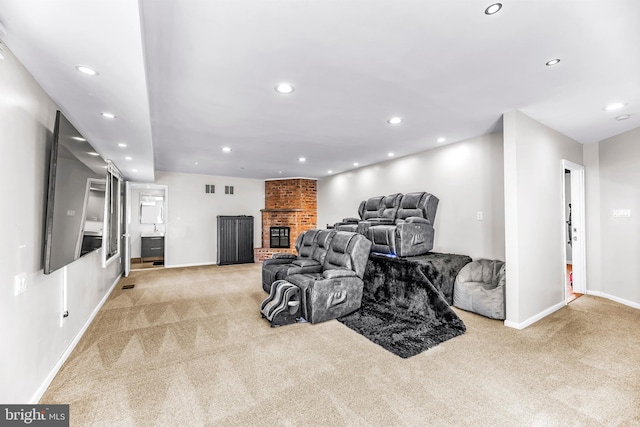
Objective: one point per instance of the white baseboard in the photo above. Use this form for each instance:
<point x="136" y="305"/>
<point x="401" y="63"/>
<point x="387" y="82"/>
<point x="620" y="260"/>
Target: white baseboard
<point x="47" y="381"/>
<point x="535" y="318"/>
<point x="197" y="264"/>
<point x="614" y="298"/>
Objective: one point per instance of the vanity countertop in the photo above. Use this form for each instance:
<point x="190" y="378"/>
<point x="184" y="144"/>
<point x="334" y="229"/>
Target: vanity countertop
<point x="153" y="234"/>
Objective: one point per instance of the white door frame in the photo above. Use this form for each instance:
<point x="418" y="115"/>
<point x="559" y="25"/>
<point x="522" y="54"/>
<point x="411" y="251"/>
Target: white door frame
<point x="125" y="233"/>
<point x="135" y="205"/>
<point x="578" y="243"/>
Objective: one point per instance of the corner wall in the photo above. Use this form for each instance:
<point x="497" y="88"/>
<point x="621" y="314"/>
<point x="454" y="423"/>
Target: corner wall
<point x="534" y="221"/>
<point x="33" y="336"/>
<point x="466" y="176"/>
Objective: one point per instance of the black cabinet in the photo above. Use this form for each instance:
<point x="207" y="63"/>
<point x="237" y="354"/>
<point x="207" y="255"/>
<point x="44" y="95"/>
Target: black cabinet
<point x="152" y="247"/>
<point x="235" y="239"/>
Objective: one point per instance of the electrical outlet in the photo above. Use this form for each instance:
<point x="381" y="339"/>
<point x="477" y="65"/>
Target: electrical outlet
<point x="479" y="216"/>
<point x="20" y="284"/>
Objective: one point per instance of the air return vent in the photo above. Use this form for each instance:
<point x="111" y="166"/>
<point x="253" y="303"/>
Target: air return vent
<point x="209" y="188"/>
<point x="228" y="189"/>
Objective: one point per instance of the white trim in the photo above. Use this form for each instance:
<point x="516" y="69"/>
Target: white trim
<point x="54" y="371"/>
<point x="293" y="177"/>
<point x="535" y="318"/>
<point x="578" y="248"/>
<point x="614" y="298"/>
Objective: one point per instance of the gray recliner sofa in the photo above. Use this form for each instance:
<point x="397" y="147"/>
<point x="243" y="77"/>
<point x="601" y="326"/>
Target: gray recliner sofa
<point x="370" y="208"/>
<point x="334" y="291"/>
<point x="412" y="232"/>
<point x="312" y="249"/>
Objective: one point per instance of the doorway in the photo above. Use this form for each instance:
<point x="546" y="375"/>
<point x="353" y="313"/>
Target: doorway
<point x="147" y="231"/>
<point x="574" y="248"/>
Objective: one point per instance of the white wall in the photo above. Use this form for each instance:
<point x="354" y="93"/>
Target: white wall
<point x="32" y="335"/>
<point x="465" y="176"/>
<point x="593" y="240"/>
<point x="534" y="220"/>
<point x="619" y="160"/>
<point x="191" y="227"/>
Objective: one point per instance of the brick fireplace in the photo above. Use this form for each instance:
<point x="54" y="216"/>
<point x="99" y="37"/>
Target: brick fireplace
<point x="288" y="203"/>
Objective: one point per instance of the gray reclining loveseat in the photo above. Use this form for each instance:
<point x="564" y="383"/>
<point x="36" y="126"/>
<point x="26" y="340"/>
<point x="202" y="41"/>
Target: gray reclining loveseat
<point x="412" y="232"/>
<point x="370" y="208"/>
<point x="334" y="291"/>
<point x="312" y="248"/>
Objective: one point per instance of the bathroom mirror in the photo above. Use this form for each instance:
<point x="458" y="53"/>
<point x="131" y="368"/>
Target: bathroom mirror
<point x="151" y="209"/>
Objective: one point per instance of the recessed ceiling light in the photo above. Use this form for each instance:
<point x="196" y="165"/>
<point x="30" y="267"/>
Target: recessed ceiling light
<point x="108" y="115"/>
<point x="614" y="106"/>
<point x="390" y="154"/>
<point x="623" y="117"/>
<point x="394" y="120"/>
<point x="77" y="138"/>
<point x="93" y="153"/>
<point x="279" y="171"/>
<point x="196" y="163"/>
<point x="329" y="171"/>
<point x="356" y="164"/>
<point x="552" y="62"/>
<point x="226" y="149"/>
<point x="128" y="158"/>
<point x="86" y="70"/>
<point x="134" y="170"/>
<point x="122" y="144"/>
<point x="302" y="160"/>
<point x="494" y="8"/>
<point x="284" y="88"/>
<point x="441" y="140"/>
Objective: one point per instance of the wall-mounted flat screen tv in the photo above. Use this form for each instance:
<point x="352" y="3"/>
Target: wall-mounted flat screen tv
<point x="76" y="198"/>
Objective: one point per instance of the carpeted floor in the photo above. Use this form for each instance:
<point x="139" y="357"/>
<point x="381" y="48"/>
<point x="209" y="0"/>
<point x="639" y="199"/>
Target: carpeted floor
<point x="188" y="347"/>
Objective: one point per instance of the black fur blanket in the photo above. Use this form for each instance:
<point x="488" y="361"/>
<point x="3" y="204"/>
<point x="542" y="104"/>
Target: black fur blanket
<point x="405" y="305"/>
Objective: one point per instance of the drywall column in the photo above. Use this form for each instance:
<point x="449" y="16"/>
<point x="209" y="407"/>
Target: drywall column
<point x="593" y="225"/>
<point x="534" y="219"/>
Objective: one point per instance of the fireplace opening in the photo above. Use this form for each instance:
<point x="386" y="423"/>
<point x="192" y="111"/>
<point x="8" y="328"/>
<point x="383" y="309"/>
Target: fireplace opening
<point x="279" y="237"/>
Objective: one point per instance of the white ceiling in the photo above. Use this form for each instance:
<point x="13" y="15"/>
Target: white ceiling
<point x="186" y="78"/>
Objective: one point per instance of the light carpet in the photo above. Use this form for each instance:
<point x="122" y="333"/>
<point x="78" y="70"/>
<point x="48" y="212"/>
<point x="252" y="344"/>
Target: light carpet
<point x="188" y="347"/>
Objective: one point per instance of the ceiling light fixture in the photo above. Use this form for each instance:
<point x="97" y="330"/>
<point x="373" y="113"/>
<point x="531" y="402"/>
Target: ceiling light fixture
<point x="92" y="153"/>
<point x="86" y="70"/>
<point x="134" y="170"/>
<point x="329" y="171"/>
<point x="196" y="163"/>
<point x="493" y="9"/>
<point x="122" y="144"/>
<point x="623" y="117"/>
<point x="614" y="106"/>
<point x="128" y="158"/>
<point x="302" y="159"/>
<point x="552" y="62"/>
<point x="284" y="88"/>
<point x="441" y="140"/>
<point x="356" y="164"/>
<point x="390" y="154"/>
<point x="77" y="138"/>
<point x="226" y="149"/>
<point x="394" y="120"/>
<point x="108" y="115"/>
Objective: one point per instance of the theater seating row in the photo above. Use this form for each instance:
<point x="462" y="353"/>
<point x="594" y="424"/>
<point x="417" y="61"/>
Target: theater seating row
<point x="400" y="225"/>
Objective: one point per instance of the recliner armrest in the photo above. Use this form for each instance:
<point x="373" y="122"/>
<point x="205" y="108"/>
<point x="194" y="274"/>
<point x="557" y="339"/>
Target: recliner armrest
<point x="414" y="219"/>
<point x="380" y="221"/>
<point x="337" y="273"/>
<point x="350" y="220"/>
<point x="275" y="261"/>
<point x="282" y="255"/>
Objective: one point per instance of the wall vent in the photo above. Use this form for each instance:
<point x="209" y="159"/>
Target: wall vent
<point x="228" y="189"/>
<point x="209" y="188"/>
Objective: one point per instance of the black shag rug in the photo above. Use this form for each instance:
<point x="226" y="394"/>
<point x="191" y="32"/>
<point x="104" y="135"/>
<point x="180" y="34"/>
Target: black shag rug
<point x="405" y="305"/>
